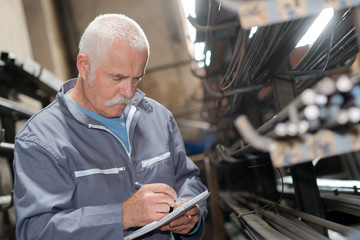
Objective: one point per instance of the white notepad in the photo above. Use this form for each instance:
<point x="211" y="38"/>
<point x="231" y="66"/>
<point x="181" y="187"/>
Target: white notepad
<point x="178" y="212"/>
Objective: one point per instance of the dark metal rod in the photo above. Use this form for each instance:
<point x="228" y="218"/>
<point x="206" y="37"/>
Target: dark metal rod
<point x="213" y="28"/>
<point x="281" y="221"/>
<point x="15" y="108"/>
<point x="283" y="230"/>
<point x="308" y="217"/>
<point x="356" y="20"/>
<point x="251" y="221"/>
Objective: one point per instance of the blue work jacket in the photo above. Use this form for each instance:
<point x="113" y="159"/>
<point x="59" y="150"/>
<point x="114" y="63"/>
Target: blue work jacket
<point x="72" y="173"/>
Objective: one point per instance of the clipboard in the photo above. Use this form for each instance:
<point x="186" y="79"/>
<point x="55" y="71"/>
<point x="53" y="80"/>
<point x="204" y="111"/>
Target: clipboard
<point x="178" y="212"/>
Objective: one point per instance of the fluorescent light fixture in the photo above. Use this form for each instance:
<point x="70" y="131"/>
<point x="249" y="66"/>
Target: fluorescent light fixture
<point x="253" y="30"/>
<point x="317" y="27"/>
<point x="189" y="10"/>
<point x="199" y="56"/>
<point x="208" y="58"/>
<point x="199" y="51"/>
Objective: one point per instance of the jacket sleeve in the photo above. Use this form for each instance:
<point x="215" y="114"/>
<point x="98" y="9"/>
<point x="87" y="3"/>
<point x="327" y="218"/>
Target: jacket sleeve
<point x="188" y="183"/>
<point x="43" y="191"/>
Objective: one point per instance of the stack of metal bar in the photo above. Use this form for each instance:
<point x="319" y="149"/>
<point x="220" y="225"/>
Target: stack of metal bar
<point x="264" y="219"/>
<point x="330" y="104"/>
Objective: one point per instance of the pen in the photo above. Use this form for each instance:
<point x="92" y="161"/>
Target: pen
<point x="138" y="185"/>
<point x="176" y="200"/>
<point x="179" y="200"/>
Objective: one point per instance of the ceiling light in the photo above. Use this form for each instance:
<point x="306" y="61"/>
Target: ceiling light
<point x="316" y="28"/>
<point x="253" y="31"/>
<point x="208" y="58"/>
<point x="199" y="51"/>
<point x="189" y="10"/>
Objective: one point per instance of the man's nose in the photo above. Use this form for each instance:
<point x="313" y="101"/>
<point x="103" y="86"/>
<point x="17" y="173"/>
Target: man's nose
<point x="127" y="90"/>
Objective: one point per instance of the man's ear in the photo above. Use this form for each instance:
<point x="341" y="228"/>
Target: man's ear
<point x="83" y="66"/>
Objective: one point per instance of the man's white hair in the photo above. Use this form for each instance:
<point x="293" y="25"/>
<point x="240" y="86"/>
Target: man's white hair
<point x="104" y="29"/>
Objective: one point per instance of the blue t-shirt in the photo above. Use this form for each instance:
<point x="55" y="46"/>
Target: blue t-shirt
<point x="116" y="124"/>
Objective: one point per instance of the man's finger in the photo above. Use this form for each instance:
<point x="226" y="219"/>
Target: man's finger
<point x="193" y="211"/>
<point x="162" y="188"/>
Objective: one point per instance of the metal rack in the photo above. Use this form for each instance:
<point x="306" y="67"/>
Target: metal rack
<point x="34" y="81"/>
<point x="269" y="95"/>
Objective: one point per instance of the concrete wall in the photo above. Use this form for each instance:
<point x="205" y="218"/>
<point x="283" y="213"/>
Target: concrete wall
<point x="14" y="35"/>
<point x="48" y="48"/>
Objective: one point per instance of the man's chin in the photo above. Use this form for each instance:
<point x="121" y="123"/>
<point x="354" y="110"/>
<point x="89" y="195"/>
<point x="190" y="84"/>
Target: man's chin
<point x="117" y="110"/>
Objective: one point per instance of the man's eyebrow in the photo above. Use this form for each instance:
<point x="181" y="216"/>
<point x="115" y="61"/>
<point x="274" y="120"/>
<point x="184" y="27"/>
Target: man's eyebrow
<point x="121" y="76"/>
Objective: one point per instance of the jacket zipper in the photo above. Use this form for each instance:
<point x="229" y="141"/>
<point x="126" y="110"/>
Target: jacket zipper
<point x="83" y="173"/>
<point x="127" y="126"/>
<point x="107" y="130"/>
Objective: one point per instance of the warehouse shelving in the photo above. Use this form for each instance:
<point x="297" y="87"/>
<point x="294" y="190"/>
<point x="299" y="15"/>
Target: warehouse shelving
<point x="37" y="84"/>
<point x="257" y="93"/>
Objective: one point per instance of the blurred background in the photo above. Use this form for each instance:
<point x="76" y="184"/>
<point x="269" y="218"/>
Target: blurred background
<point x="266" y="95"/>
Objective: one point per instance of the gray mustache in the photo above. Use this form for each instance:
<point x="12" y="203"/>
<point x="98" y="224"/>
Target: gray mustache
<point x="118" y="100"/>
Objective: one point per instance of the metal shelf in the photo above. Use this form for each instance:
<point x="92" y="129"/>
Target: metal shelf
<point x="263" y="13"/>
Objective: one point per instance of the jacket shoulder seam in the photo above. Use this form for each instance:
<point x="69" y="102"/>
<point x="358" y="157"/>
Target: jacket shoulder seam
<point x="41" y="144"/>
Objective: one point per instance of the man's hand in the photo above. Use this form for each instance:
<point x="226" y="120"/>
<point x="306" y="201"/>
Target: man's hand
<point x="185" y="223"/>
<point x="150" y="203"/>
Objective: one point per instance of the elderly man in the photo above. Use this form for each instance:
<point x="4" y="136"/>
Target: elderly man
<point x="103" y="160"/>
